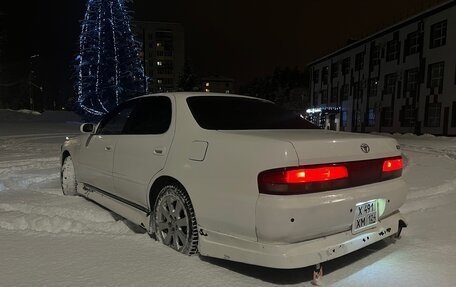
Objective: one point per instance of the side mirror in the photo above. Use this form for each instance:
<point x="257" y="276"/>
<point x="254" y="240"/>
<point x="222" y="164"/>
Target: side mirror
<point x="87" y="128"/>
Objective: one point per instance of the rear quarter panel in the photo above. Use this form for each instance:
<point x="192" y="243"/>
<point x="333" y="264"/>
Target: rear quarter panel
<point x="223" y="187"/>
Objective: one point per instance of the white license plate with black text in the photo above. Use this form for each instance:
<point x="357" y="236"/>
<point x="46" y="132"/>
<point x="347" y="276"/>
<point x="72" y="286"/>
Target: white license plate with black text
<point x="366" y="215"/>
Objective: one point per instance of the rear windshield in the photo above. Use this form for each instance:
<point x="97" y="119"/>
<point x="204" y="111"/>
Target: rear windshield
<point x="237" y="113"/>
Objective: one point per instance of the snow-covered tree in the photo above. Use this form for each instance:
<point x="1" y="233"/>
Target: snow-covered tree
<point x="109" y="68"/>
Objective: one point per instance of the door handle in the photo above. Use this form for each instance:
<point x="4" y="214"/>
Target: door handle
<point x="159" y="150"/>
<point x="108" y="148"/>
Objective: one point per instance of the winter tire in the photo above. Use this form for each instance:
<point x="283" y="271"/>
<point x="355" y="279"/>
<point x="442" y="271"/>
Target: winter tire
<point x="68" y="177"/>
<point x="174" y="222"/>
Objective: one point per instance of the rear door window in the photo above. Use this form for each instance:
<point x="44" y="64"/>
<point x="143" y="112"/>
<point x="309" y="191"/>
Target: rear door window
<point x="152" y="115"/>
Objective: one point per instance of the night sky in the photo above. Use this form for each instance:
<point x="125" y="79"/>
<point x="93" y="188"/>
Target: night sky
<point x="239" y="39"/>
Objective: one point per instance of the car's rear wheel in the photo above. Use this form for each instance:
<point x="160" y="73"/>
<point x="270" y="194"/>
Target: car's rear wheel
<point x="174" y="222"/>
<point x="68" y="177"/>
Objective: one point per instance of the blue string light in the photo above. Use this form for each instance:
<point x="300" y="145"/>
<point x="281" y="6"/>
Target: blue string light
<point x="109" y="68"/>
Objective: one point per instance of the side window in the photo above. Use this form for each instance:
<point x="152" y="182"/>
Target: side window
<point x="114" y="123"/>
<point x="152" y="115"/>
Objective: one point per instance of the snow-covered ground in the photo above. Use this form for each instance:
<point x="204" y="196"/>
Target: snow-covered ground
<point x="47" y="239"/>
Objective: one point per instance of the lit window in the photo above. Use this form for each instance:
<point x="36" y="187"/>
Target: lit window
<point x="344" y="119"/>
<point x="371" y="118"/>
<point x="207" y="84"/>
<point x="159" y="63"/>
<point x="158" y="44"/>
<point x="207" y="90"/>
<point x="159" y="81"/>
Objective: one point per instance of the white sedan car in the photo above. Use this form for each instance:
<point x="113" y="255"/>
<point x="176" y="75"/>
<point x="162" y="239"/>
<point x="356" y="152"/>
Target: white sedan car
<point x="238" y="178"/>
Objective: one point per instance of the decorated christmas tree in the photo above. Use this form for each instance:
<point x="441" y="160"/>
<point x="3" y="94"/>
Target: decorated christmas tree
<point x="109" y="67"/>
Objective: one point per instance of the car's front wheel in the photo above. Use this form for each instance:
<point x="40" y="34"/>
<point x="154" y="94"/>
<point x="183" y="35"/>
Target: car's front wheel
<point x="68" y="177"/>
<point x="174" y="222"/>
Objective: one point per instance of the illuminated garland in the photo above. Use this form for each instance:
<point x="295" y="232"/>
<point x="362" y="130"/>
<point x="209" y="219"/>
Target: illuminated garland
<point x="323" y="109"/>
<point x="109" y="68"/>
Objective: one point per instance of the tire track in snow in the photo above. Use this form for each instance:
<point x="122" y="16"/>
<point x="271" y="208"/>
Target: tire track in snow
<point x="24" y="174"/>
<point x="429" y="198"/>
<point x="50" y="223"/>
<point x="58" y="214"/>
<point x="30" y="146"/>
<point x="421" y="199"/>
<point x="446" y="152"/>
<point x="19" y="165"/>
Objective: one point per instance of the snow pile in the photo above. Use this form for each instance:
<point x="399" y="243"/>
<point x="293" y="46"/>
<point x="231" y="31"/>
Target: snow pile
<point x="29" y="112"/>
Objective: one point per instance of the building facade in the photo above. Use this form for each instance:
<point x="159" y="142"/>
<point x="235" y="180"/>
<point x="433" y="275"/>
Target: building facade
<point x="401" y="79"/>
<point x="163" y="53"/>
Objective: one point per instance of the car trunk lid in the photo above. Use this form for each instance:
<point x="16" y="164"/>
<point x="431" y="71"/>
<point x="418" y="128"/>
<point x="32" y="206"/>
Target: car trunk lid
<point x="321" y="146"/>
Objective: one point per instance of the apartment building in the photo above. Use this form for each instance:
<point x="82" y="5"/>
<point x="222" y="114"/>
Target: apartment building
<point x="163" y="53"/>
<point x="401" y="79"/>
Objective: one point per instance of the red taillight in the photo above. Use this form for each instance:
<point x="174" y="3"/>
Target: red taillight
<point x="392" y="164"/>
<point x="300" y="180"/>
<point x="315" y="174"/>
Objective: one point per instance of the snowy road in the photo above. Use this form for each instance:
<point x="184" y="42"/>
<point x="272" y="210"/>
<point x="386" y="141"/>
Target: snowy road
<point x="47" y="239"/>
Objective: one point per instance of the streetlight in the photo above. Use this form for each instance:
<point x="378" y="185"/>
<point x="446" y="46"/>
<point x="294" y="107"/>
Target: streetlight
<point x="31" y="83"/>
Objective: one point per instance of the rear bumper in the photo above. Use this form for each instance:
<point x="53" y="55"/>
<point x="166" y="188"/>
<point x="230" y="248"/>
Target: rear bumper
<point x="299" y="254"/>
<point x="297" y="218"/>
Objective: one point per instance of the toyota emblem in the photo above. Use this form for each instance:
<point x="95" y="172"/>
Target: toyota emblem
<point x="365" y="148"/>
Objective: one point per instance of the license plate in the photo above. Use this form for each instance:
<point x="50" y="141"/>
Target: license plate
<point x="365" y="215"/>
